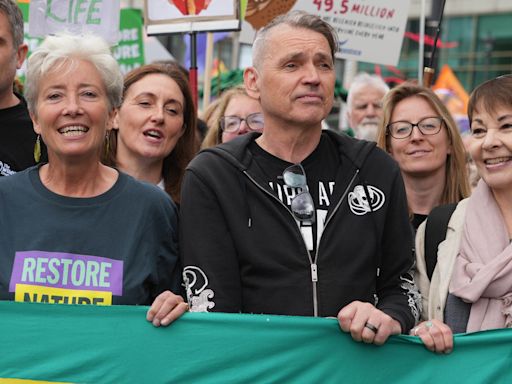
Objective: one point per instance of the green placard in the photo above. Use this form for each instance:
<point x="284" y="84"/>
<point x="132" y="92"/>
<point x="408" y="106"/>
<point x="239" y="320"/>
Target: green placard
<point x="129" y="53"/>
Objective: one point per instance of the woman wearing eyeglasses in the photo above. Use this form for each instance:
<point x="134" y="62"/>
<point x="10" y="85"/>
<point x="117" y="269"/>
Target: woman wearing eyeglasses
<point x="420" y="134"/>
<point x="235" y="114"/>
<point x="470" y="287"/>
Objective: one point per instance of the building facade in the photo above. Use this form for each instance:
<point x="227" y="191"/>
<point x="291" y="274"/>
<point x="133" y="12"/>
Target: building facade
<point x="475" y="41"/>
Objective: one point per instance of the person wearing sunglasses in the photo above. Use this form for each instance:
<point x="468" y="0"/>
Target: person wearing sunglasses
<point x="233" y="114"/>
<point x="295" y="220"/>
<point x="421" y="135"/>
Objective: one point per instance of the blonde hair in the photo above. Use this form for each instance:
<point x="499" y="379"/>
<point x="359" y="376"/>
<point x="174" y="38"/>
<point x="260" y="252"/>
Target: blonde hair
<point x="215" y="111"/>
<point x="456" y="186"/>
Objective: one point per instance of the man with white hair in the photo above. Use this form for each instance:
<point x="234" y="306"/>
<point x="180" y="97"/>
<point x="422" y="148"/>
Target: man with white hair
<point x="364" y="103"/>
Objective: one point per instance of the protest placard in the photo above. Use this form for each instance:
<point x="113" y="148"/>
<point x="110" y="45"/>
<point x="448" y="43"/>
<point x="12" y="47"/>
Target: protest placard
<point x="100" y="17"/>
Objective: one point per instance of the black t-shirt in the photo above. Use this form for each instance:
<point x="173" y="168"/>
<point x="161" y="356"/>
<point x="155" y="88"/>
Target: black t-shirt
<point x="321" y="167"/>
<point x="95" y="250"/>
<point x="17" y="140"/>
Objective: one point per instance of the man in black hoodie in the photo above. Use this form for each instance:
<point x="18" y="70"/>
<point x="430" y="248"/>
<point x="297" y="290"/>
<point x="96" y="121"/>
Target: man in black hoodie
<point x="297" y="221"/>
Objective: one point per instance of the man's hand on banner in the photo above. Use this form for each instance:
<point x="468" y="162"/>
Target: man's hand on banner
<point x="367" y="323"/>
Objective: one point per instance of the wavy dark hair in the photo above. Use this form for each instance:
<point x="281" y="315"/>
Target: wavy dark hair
<point x="491" y="95"/>
<point x="174" y="164"/>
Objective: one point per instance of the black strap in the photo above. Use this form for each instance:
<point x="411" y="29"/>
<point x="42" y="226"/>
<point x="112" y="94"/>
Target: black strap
<point x="435" y="232"/>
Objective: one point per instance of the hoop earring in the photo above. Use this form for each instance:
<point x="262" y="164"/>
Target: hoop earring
<point x="37" y="149"/>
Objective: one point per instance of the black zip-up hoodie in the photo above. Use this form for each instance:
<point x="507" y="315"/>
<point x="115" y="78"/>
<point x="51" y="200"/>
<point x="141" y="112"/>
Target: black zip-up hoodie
<point x="243" y="251"/>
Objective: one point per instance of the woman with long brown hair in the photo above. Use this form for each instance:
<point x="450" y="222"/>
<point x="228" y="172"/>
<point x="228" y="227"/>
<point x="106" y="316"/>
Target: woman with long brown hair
<point x="154" y="134"/>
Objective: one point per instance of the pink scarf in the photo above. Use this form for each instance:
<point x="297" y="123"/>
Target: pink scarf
<point x="482" y="274"/>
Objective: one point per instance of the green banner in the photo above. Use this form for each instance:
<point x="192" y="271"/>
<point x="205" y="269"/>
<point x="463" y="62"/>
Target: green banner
<point x="129" y="52"/>
<point x="93" y="344"/>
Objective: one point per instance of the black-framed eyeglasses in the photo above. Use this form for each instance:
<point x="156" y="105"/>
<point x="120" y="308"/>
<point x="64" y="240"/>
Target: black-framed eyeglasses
<point x="427" y="126"/>
<point x="232" y="124"/>
<point x="302" y="205"/>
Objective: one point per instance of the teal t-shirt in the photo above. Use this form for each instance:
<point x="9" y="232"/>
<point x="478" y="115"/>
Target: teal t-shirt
<point x="116" y="248"/>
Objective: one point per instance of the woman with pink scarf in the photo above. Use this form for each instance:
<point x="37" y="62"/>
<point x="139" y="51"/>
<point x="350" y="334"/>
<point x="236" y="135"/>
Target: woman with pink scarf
<point x="471" y="286"/>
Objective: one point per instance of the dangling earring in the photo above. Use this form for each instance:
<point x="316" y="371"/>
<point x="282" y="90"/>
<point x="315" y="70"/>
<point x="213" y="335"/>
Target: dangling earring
<point x="37" y="149"/>
<point x="107" y="145"/>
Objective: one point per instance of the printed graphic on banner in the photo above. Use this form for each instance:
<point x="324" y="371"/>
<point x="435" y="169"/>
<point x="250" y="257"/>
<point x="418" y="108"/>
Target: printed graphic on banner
<point x="260" y="12"/>
<point x="65" y="278"/>
<point x="187" y="7"/>
<point x="129" y="52"/>
<point x="368" y="30"/>
<point x="173" y="16"/>
<point x="165" y="9"/>
<point x="100" y="17"/>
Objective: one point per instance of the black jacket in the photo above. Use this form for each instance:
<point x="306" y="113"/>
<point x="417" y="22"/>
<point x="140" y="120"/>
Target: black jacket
<point x="243" y="251"/>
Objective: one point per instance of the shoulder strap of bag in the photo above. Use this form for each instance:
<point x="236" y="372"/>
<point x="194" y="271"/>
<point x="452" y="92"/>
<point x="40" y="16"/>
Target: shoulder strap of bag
<point x="435" y="232"/>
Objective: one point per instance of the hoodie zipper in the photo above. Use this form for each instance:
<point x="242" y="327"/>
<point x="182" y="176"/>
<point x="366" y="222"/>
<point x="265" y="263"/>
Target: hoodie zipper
<point x="312" y="262"/>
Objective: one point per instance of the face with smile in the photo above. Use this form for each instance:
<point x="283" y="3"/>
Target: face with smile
<point x="73" y="111"/>
<point x="240" y="106"/>
<point x="419" y="154"/>
<point x="150" y="120"/>
<point x="490" y="146"/>
<point x="295" y="80"/>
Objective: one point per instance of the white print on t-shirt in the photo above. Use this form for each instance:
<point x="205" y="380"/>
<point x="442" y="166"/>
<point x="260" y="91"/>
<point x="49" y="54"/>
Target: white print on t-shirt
<point x="286" y="193"/>
<point x="361" y="204"/>
<point x="5" y="169"/>
<point x="197" y="296"/>
<point x="325" y="191"/>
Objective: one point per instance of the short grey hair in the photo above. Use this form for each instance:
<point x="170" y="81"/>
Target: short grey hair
<point x="61" y="49"/>
<point x="295" y="19"/>
<point x="361" y="80"/>
<point x="15" y="18"/>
